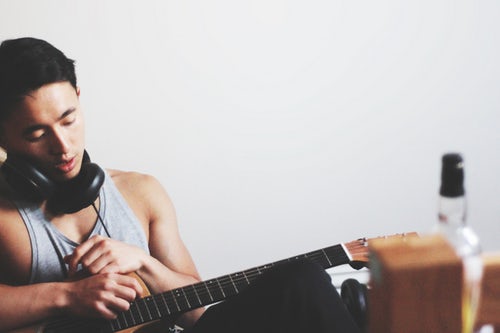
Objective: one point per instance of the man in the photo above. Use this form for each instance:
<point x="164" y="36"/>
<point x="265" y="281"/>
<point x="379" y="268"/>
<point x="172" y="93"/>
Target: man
<point x="128" y="227"/>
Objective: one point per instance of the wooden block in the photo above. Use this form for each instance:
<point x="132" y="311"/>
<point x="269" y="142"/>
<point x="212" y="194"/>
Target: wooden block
<point x="415" y="286"/>
<point x="489" y="303"/>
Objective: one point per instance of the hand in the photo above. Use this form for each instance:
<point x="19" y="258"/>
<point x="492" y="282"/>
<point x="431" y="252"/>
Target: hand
<point x="100" y="254"/>
<point x="102" y="295"/>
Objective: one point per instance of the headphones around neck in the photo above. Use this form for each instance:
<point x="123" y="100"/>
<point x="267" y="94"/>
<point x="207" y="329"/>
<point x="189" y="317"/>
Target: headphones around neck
<point x="67" y="197"/>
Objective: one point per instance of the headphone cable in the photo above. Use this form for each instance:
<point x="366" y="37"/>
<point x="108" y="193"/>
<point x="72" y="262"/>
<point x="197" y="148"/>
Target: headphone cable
<point x="101" y="221"/>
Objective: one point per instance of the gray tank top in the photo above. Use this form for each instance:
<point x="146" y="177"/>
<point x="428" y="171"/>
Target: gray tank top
<point x="49" y="246"/>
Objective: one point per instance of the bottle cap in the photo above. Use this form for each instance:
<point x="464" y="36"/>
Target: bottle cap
<point x="452" y="176"/>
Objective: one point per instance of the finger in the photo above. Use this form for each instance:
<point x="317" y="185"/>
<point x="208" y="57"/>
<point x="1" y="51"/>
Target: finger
<point x="126" y="293"/>
<point x="81" y="250"/>
<point x="96" y="261"/>
<point x="111" y="308"/>
<point x="109" y="268"/>
<point x="131" y="283"/>
<point x="106" y="312"/>
<point x="100" y="258"/>
<point x="94" y="255"/>
<point x="122" y="287"/>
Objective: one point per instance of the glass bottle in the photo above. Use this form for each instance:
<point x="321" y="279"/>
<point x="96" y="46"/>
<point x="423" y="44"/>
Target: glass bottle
<point x="452" y="225"/>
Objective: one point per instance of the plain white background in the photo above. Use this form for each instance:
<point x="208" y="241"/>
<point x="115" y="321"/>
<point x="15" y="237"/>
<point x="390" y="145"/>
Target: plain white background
<point x="280" y="127"/>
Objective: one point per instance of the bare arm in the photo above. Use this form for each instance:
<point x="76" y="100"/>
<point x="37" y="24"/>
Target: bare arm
<point x="25" y="305"/>
<point x="97" y="296"/>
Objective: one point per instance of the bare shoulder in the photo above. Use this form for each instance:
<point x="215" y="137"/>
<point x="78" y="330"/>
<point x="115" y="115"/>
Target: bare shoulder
<point x="14" y="245"/>
<point x="9" y="215"/>
<point x="143" y="192"/>
<point x="133" y="181"/>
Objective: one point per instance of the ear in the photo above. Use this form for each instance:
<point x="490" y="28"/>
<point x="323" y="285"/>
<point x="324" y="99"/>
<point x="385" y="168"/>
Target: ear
<point x="3" y="155"/>
<point x="78" y="91"/>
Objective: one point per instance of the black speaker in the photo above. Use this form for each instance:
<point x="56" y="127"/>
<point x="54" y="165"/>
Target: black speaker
<point x="65" y="197"/>
<point x="354" y="295"/>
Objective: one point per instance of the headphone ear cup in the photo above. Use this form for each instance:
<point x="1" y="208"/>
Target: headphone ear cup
<point x="354" y="295"/>
<point x="79" y="192"/>
<point x="26" y="179"/>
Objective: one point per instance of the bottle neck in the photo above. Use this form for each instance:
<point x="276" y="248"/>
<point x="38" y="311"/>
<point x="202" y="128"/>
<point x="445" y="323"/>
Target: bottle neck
<point x="452" y="212"/>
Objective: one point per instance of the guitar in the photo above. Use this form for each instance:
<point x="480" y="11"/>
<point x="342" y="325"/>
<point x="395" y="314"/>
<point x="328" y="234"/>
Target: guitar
<point x="150" y="310"/>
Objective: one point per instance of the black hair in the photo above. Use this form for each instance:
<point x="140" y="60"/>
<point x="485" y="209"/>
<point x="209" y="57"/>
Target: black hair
<point x="27" y="64"/>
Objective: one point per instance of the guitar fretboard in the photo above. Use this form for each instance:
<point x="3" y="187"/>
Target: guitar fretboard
<point x="175" y="302"/>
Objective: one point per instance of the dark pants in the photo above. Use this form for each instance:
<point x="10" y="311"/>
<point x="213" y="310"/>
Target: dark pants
<point x="295" y="297"/>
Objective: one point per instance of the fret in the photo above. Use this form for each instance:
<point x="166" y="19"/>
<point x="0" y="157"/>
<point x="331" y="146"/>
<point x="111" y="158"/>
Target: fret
<point x="226" y="286"/>
<point x="200" y="303"/>
<point x="135" y="311"/>
<point x="215" y="290"/>
<point x="143" y="307"/>
<point x="252" y="274"/>
<point x="169" y="299"/>
<point x="221" y="289"/>
<point x="246" y="278"/>
<point x="186" y="298"/>
<point x="128" y="318"/>
<point x="116" y="326"/>
<point x="122" y="320"/>
<point x="152" y="307"/>
<point x="165" y="306"/>
<point x="236" y="291"/>
<point x="208" y="291"/>
<point x="182" y="302"/>
<point x="239" y="281"/>
<point x="204" y="292"/>
<point x="174" y="297"/>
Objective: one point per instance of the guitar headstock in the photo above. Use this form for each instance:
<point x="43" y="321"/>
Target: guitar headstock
<point x="358" y="249"/>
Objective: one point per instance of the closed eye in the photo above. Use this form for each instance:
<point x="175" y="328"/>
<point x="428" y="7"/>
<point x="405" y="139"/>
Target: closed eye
<point x="68" y="117"/>
<point x="35" y="133"/>
<point x="69" y="120"/>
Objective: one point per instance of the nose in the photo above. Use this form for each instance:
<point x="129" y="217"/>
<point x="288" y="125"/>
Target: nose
<point x="59" y="143"/>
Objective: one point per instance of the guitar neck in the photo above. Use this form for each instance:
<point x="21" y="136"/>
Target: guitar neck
<point x="174" y="302"/>
<point x="187" y="298"/>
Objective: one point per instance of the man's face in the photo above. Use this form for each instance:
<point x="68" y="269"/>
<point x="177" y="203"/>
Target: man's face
<point x="47" y="128"/>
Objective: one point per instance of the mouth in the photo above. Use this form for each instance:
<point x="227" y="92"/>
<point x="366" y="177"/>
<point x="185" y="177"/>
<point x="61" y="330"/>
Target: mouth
<point x="66" y="166"/>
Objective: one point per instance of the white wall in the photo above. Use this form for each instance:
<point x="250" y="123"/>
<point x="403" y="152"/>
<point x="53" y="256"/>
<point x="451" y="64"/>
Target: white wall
<point x="279" y="127"/>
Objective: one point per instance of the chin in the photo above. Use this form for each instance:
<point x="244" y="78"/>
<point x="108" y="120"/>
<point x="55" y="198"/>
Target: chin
<point x="63" y="177"/>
